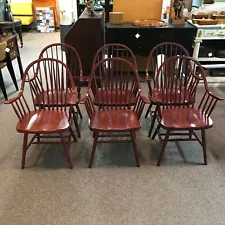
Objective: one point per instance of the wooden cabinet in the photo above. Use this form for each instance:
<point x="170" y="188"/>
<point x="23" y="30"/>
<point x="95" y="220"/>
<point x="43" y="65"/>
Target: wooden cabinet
<point x="87" y="36"/>
<point x="14" y="52"/>
<point x="44" y="3"/>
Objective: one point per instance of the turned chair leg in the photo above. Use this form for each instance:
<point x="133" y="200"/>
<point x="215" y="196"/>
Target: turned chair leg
<point x="75" y="122"/>
<point x="152" y="123"/>
<point x="93" y="149"/>
<point x="133" y="139"/>
<point x="66" y="150"/>
<point x="204" y="146"/>
<point x="25" y="139"/>
<point x="163" y="147"/>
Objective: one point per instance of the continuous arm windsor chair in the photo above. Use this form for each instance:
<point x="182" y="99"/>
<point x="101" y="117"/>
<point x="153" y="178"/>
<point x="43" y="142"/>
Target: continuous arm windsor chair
<point x="113" y="51"/>
<point x="44" y="77"/>
<point x="71" y="58"/>
<point x="114" y="118"/>
<point x="175" y="114"/>
<point x="157" y="56"/>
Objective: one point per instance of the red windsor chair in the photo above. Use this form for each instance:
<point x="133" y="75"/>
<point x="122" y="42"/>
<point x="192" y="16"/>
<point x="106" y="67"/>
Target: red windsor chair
<point x="51" y="81"/>
<point x="71" y="58"/>
<point x="175" y="114"/>
<point x="113" y="51"/>
<point x="157" y="56"/>
<point x="114" y="118"/>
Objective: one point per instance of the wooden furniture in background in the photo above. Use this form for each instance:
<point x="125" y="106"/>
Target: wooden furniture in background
<point x="157" y="56"/>
<point x="137" y="10"/>
<point x="179" y="118"/>
<point x="113" y="116"/>
<point x="15" y="27"/>
<point x="44" y="3"/>
<point x="52" y="117"/>
<point x="87" y="36"/>
<point x="6" y="61"/>
<point x="71" y="58"/>
<point x="142" y="40"/>
<point x="14" y="52"/>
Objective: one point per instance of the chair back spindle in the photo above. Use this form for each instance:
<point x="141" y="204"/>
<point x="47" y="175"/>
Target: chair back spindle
<point x="114" y="82"/>
<point x="50" y="83"/>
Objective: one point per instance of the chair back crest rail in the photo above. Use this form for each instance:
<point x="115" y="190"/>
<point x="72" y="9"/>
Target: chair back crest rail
<point x="69" y="56"/>
<point x="177" y="78"/>
<point x="159" y="54"/>
<point x="115" y="50"/>
<point x="114" y="85"/>
<point x="44" y="77"/>
<point x="114" y="82"/>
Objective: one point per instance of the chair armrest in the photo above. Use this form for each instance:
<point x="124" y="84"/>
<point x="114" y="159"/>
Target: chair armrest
<point x="19" y="105"/>
<point x="12" y="100"/>
<point x="149" y="80"/>
<point x="140" y="104"/>
<point x="209" y="102"/>
<point x="89" y="105"/>
<point x="81" y="78"/>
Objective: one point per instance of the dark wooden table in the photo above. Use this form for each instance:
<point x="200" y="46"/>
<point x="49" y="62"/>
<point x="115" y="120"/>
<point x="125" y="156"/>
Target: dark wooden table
<point x="14" y="52"/>
<point x="15" y="26"/>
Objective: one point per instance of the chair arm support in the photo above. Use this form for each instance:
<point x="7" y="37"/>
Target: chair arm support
<point x="140" y="104"/>
<point x="19" y="105"/>
<point x="209" y="102"/>
<point x="88" y="104"/>
<point x="12" y="100"/>
<point x="81" y="78"/>
<point x="149" y="80"/>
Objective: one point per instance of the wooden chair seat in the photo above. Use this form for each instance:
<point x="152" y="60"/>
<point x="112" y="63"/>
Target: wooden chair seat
<point x="113" y="97"/>
<point x="44" y="121"/>
<point x="184" y="118"/>
<point x="114" y="120"/>
<point x="172" y="96"/>
<point x="56" y="97"/>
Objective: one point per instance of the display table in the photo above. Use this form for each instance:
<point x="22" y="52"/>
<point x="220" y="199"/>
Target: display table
<point x="209" y="33"/>
<point x="142" y="39"/>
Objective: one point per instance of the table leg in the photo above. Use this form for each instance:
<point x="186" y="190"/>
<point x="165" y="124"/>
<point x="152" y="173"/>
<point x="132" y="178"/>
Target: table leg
<point x="19" y="32"/>
<point x="20" y="36"/>
<point x="20" y="66"/>
<point x="13" y="29"/>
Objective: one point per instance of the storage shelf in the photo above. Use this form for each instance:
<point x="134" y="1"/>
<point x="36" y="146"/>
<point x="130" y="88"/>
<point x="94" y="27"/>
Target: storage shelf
<point x="211" y="59"/>
<point x="214" y="66"/>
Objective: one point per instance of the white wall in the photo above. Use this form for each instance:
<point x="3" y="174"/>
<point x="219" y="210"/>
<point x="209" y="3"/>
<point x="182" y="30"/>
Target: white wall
<point x="70" y="8"/>
<point x="197" y="2"/>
